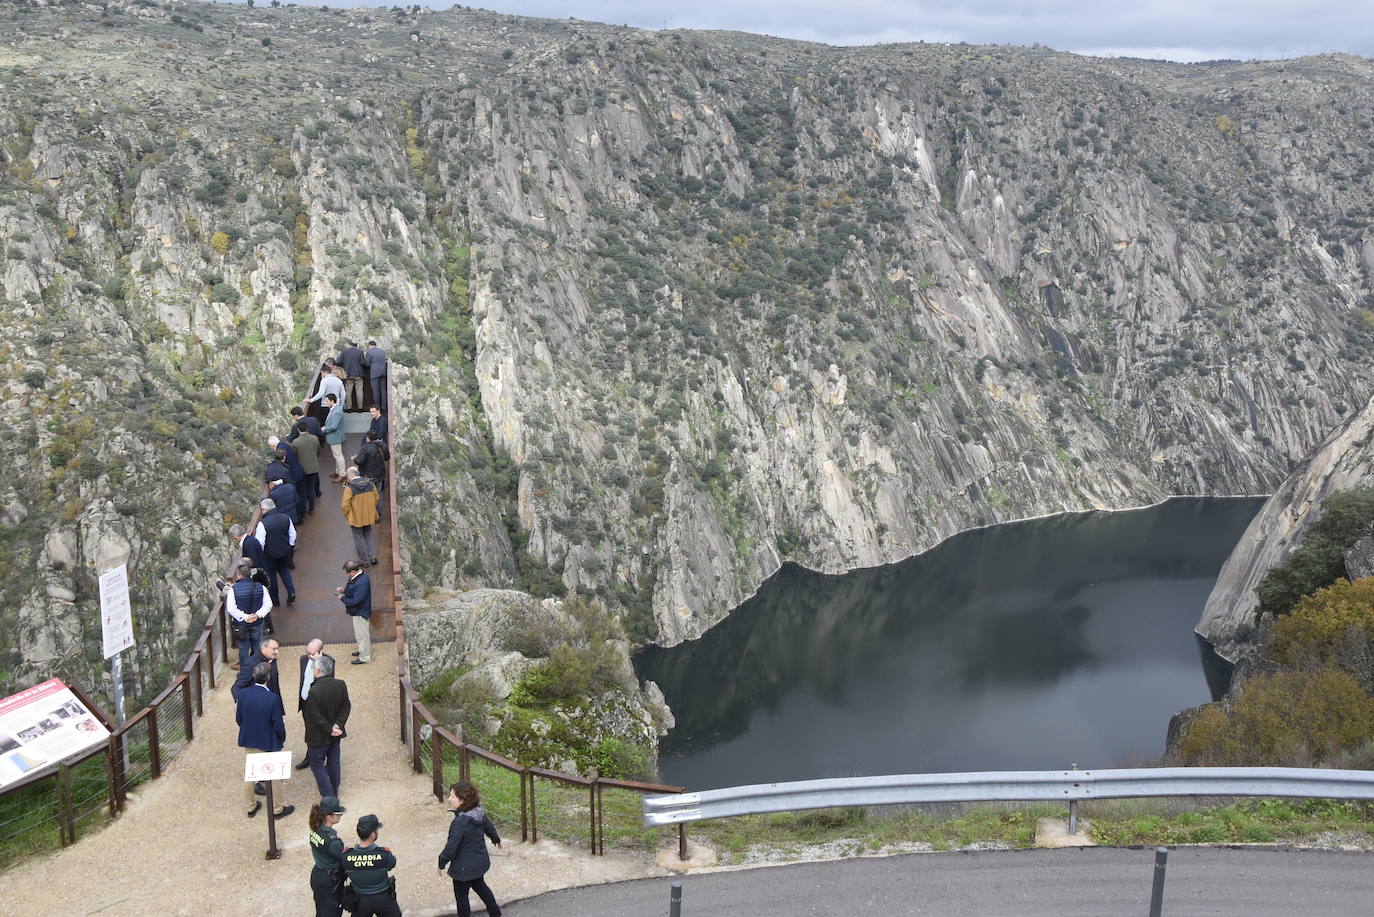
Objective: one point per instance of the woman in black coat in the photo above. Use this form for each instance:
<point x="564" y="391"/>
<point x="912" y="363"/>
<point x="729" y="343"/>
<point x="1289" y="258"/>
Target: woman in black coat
<point x="465" y="853"/>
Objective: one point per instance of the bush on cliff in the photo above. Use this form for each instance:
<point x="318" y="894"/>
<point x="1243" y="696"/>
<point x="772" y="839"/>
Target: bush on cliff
<point x="1284" y="719"/>
<point x="1333" y="626"/>
<point x="1320" y="560"/>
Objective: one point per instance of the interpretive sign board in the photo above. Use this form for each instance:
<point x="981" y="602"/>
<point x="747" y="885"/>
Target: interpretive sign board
<point x="41" y="726"/>
<point x="116" y="617"/>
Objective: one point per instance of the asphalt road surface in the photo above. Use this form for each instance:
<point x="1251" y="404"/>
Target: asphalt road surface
<point x="1093" y="882"/>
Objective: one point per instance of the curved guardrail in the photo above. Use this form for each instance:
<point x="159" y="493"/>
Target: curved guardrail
<point x="1007" y="786"/>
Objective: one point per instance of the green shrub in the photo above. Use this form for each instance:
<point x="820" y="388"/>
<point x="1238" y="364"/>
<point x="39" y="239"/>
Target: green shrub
<point x="1320" y="560"/>
<point x="1294" y="719"/>
<point x="1331" y="626"/>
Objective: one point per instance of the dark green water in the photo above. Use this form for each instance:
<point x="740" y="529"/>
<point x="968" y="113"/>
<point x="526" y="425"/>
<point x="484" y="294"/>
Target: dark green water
<point x="1027" y="646"/>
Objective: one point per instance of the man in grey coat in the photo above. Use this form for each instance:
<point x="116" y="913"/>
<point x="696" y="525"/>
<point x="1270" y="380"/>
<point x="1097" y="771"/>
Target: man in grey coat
<point x="375" y="359"/>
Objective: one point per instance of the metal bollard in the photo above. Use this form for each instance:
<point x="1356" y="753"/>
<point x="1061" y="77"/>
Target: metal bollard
<point x="675" y="901"/>
<point x="1157" y="896"/>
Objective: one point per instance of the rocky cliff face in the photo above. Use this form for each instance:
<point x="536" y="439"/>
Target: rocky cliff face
<point x="1342" y="461"/>
<point x="665" y="308"/>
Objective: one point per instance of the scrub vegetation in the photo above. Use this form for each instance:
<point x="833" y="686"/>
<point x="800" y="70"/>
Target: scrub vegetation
<point x="1307" y="698"/>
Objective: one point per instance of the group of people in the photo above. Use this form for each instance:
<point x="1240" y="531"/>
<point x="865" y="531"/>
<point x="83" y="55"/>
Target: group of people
<point x="260" y="711"/>
<point x="363" y="871"/>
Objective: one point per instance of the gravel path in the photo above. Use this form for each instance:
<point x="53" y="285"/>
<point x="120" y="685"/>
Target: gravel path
<point x="184" y="846"/>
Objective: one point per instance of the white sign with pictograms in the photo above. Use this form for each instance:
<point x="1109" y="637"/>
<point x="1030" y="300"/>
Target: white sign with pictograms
<point x="116" y="618"/>
<point x="267" y="765"/>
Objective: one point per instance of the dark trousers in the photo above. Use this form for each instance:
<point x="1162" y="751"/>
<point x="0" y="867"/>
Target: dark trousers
<point x="325" y="765"/>
<point x="479" y="885"/>
<point x="309" y="489"/>
<point x="277" y="566"/>
<point x="383" y="905"/>
<point x="326" y="891"/>
<point x="379" y="391"/>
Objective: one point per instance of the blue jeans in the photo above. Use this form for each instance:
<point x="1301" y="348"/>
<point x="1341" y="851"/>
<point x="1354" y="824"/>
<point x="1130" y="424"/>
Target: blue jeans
<point x="324" y="764"/>
<point x="249" y="646"/>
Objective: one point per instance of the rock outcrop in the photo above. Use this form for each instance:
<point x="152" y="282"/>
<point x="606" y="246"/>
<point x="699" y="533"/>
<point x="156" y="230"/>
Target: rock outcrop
<point x="1344" y="460"/>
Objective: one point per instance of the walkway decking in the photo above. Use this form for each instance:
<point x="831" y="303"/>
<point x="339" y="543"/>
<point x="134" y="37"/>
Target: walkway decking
<point x="323" y="544"/>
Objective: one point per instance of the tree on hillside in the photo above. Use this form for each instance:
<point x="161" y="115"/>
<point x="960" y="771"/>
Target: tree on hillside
<point x="1320" y="560"/>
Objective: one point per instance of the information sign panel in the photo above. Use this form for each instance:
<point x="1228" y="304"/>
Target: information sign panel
<point x="116" y="617"/>
<point x="41" y="726"/>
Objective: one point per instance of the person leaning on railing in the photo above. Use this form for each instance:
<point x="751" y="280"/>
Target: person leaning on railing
<point x="327" y="873"/>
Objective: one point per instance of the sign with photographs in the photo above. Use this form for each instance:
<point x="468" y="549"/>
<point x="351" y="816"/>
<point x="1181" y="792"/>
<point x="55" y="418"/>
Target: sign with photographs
<point x="116" y="618"/>
<point x="41" y="726"/>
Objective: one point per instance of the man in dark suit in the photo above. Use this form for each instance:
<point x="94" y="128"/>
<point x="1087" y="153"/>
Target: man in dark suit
<point x="313" y="650"/>
<point x="262" y="728"/>
<point x="375" y="359"/>
<point x="267" y="652"/>
<point x="326" y="714"/>
<point x="351" y="359"/>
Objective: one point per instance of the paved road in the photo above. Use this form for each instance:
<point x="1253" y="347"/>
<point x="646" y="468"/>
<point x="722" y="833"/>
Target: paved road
<point x="1253" y="882"/>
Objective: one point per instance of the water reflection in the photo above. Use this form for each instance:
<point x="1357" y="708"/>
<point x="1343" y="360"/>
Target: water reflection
<point x="1028" y="645"/>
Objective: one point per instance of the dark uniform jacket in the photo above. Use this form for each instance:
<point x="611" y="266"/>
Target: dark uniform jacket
<point x="375" y="358"/>
<point x="326" y="707"/>
<point x="326" y="848"/>
<point x="284" y="495"/>
<point x="367" y="869"/>
<point x="465" y="853"/>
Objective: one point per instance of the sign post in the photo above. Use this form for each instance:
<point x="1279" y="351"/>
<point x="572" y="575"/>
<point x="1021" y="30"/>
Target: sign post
<point x="116" y="628"/>
<point x="268" y="766"/>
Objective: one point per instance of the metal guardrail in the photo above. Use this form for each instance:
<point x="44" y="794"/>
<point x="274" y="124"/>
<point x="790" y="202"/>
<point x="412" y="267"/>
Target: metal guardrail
<point x="1071" y="786"/>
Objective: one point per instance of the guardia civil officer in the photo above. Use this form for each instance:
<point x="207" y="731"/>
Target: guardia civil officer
<point x="367" y="867"/>
<point x="327" y="875"/>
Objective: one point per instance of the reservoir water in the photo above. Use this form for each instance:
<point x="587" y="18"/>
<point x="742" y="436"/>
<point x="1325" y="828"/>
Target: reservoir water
<point x="1027" y="646"/>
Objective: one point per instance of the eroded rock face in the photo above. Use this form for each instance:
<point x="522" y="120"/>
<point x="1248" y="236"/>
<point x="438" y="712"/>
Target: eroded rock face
<point x="1344" y="460"/>
<point x="665" y="310"/>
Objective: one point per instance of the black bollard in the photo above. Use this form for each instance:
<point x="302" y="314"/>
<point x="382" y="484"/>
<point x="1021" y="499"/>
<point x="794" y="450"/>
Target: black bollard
<point x="1157" y="896"/>
<point x="675" y="901"/>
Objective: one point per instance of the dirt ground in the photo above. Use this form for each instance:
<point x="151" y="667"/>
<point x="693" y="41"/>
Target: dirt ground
<point x="185" y="847"/>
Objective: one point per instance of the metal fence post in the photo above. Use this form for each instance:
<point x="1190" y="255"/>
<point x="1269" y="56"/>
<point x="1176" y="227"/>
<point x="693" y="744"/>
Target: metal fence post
<point x="404" y="719"/>
<point x="681" y="841"/>
<point x="1157" y="894"/>
<point x="436" y="753"/>
<point x="591" y="805"/>
<point x="154" y="746"/>
<point x="415" y="761"/>
<point x="61" y="784"/>
<point x="524" y="810"/>
<point x="187" y="714"/>
<point x="675" y="900"/>
<point x="1073" y="809"/>
<point x="534" y="818"/>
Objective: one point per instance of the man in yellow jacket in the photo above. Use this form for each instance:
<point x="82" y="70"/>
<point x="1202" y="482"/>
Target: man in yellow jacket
<point x="360" y="509"/>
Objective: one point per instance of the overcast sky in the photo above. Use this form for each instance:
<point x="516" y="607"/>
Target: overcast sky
<point x="1187" y="30"/>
